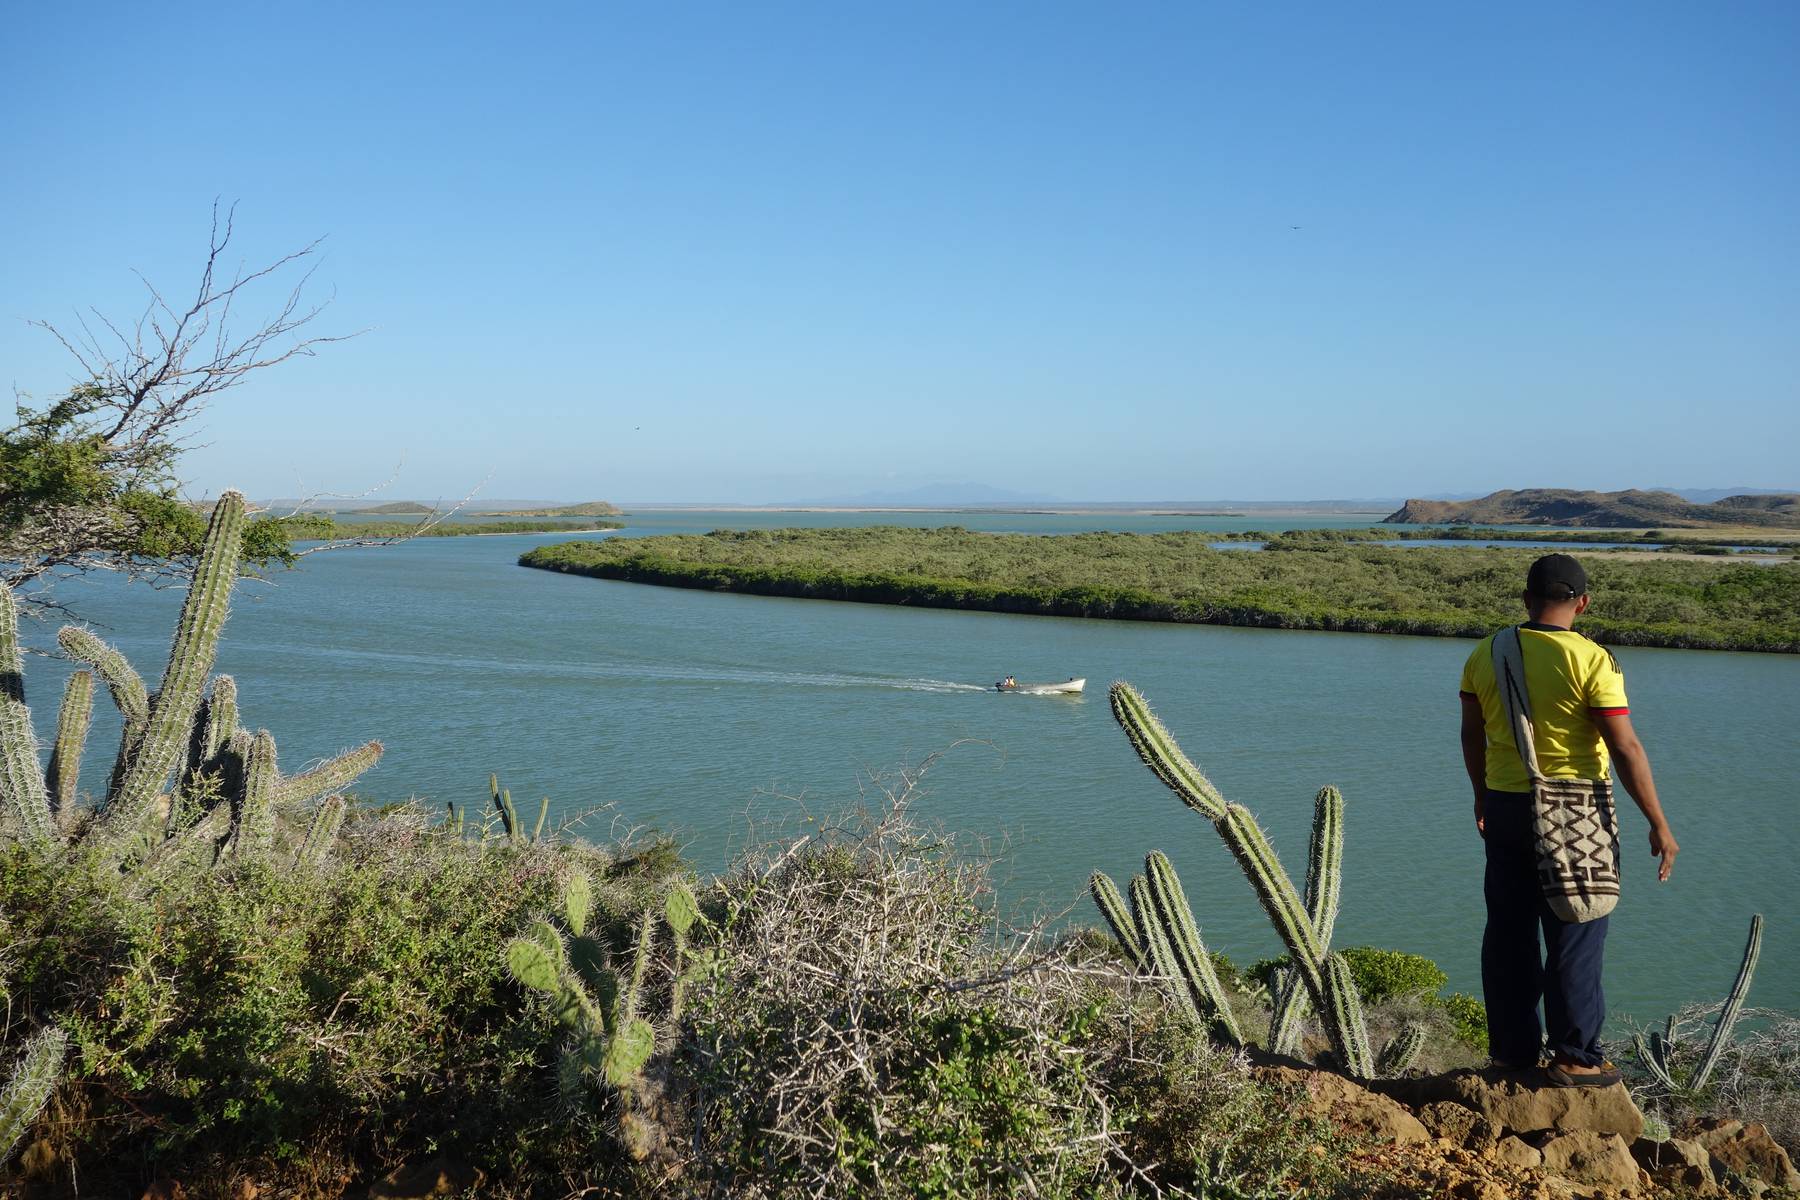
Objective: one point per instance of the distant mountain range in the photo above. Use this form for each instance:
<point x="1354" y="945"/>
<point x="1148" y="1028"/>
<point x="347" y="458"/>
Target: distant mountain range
<point x="1609" y="510"/>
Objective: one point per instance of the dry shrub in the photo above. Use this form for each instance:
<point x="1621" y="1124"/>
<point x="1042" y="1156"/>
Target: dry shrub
<point x="1757" y="1078"/>
<point x="872" y="1028"/>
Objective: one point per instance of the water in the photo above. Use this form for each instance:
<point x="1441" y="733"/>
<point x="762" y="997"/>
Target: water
<point x="689" y="711"/>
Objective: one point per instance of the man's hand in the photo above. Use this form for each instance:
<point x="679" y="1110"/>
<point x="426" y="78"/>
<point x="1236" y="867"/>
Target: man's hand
<point x="1662" y="845"/>
<point x="1481" y="814"/>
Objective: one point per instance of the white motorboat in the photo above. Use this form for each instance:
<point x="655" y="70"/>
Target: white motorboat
<point x="1070" y="688"/>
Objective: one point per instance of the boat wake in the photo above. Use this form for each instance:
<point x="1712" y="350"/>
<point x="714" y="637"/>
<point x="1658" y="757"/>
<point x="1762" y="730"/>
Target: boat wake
<point x="628" y="671"/>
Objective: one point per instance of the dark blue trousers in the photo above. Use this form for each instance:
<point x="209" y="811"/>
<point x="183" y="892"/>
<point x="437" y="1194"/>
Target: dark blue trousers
<point x="1516" y="974"/>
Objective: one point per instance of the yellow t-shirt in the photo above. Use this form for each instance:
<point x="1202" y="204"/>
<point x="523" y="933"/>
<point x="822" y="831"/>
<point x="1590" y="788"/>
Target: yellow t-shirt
<point x="1568" y="678"/>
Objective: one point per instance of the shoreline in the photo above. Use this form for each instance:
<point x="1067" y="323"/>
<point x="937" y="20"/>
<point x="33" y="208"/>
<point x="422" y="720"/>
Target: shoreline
<point x="1096" y="603"/>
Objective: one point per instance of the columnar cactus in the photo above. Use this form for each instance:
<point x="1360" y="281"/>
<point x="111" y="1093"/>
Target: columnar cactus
<point x="1177" y="919"/>
<point x="1118" y="918"/>
<point x="1324" y="870"/>
<point x="213" y="727"/>
<point x="1657" y="1053"/>
<point x="72" y="722"/>
<point x="190" y="661"/>
<point x="1398" y="1056"/>
<point x="1327" y="983"/>
<point x="509" y="816"/>
<point x="333" y="775"/>
<point x="322" y="832"/>
<point x="12" y="659"/>
<point x="27" y="800"/>
<point x="28" y="1089"/>
<point x="126" y="686"/>
<point x="221" y="766"/>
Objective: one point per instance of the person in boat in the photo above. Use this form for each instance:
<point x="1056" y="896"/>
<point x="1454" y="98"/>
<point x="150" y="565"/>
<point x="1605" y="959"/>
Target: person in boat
<point x="1009" y="682"/>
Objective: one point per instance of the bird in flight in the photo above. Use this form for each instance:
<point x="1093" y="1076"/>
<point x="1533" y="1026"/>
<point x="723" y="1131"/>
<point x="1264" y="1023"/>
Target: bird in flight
<point x="1293" y="227"/>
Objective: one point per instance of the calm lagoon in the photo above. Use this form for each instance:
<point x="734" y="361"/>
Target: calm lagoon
<point x="693" y="712"/>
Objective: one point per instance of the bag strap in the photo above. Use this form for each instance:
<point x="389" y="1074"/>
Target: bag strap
<point x="1509" y="677"/>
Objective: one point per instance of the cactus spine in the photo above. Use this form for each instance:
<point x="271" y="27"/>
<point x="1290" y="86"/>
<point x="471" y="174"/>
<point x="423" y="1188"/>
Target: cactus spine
<point x="36" y="1075"/>
<point x="1177" y="919"/>
<point x="71" y="738"/>
<point x="1326" y="979"/>
<point x="1324" y="870"/>
<point x="190" y="659"/>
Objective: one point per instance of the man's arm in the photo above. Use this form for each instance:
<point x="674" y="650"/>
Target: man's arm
<point x="1633" y="766"/>
<point x="1474" y="748"/>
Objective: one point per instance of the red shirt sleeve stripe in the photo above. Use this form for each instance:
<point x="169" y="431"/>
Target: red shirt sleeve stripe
<point x="1610" y="712"/>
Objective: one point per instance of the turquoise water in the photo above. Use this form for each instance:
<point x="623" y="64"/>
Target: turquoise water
<point x="694" y="712"/>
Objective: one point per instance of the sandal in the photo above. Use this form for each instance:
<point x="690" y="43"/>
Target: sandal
<point x="1561" y="1077"/>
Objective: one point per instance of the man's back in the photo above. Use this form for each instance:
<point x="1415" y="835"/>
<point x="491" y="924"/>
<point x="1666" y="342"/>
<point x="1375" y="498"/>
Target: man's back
<point x="1569" y="680"/>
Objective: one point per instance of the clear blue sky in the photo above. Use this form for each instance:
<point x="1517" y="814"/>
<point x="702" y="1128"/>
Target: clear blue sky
<point x="755" y="252"/>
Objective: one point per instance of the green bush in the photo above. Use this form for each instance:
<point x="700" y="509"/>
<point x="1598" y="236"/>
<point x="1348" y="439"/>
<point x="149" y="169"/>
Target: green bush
<point x="258" y="1014"/>
<point x="1392" y="974"/>
<point x="1469" y="1018"/>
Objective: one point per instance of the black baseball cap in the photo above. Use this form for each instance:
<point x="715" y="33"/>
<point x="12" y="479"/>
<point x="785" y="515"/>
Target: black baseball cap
<point x="1556" y="577"/>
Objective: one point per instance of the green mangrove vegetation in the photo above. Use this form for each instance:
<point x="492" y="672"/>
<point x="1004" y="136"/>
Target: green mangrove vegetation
<point x="324" y="527"/>
<point x="1311" y="581"/>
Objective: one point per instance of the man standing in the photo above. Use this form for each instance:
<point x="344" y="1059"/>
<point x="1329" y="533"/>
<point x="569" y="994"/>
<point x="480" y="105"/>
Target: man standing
<point x="1580" y="719"/>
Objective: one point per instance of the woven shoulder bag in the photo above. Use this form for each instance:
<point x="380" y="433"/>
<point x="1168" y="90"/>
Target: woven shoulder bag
<point x="1574" y="820"/>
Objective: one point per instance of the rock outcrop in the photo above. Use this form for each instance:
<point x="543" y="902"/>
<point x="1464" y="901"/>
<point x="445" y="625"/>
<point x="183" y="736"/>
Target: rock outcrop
<point x="1485" y="1135"/>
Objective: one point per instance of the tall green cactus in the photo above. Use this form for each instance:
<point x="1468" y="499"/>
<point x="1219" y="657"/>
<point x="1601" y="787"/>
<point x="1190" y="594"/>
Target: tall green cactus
<point x="191" y="656"/>
<point x="64" y="775"/>
<point x="126" y="686"/>
<point x="1324" y="870"/>
<point x="213" y="726"/>
<point x="1118" y="918"/>
<point x="221" y="768"/>
<point x="27" y="800"/>
<point x="322" y="832"/>
<point x="254" y="820"/>
<point x="23" y="793"/>
<point x="1329" y="986"/>
<point x="36" y="1075"/>
<point x="1197" y="974"/>
<point x="333" y="775"/>
<point x="12" y="658"/>
<point x="1657" y="1053"/>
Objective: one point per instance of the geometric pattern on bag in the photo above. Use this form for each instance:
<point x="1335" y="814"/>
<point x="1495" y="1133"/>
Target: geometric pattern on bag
<point x="1573" y="821"/>
<point x="1576" y="829"/>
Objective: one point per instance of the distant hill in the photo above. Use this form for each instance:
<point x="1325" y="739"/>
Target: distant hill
<point x="1709" y="495"/>
<point x="1605" y="510"/>
<point x="591" y="508"/>
<point x="398" y="508"/>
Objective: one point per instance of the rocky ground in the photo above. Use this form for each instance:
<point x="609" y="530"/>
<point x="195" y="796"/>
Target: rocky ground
<point x="1493" y="1136"/>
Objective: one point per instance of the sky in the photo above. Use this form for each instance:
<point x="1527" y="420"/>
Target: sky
<point x="754" y="253"/>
